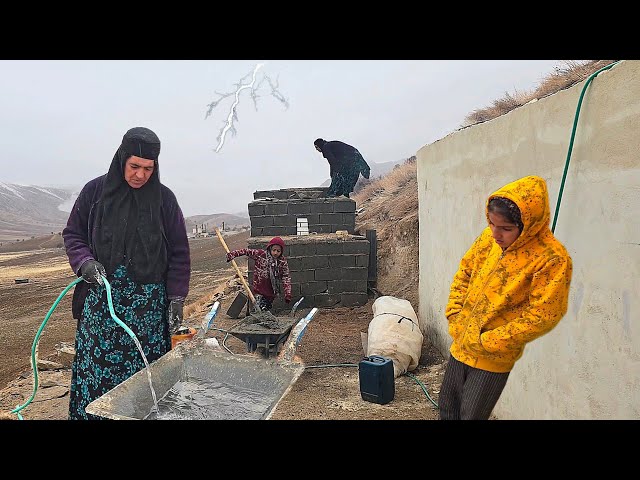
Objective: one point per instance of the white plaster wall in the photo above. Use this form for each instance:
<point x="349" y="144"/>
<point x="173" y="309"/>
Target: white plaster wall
<point x="588" y="367"/>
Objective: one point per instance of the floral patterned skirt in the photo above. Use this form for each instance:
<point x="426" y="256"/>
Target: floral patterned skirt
<point x="106" y="355"/>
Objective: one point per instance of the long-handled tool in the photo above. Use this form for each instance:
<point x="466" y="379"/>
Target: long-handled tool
<point x="240" y="276"/>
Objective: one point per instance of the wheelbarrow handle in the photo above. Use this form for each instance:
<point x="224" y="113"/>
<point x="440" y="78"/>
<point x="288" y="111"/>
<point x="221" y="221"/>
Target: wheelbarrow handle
<point x="210" y="317"/>
<point x="233" y="262"/>
<point x="295" y="336"/>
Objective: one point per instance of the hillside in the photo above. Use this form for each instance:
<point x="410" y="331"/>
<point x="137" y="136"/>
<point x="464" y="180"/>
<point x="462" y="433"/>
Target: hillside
<point x="389" y="205"/>
<point x="31" y="210"/>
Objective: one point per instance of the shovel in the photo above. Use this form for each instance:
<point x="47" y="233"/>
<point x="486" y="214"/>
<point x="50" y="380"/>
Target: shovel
<point x="240" y="276"/>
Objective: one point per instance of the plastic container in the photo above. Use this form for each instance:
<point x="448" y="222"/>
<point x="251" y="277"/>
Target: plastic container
<point x="176" y="339"/>
<point x="376" y="379"/>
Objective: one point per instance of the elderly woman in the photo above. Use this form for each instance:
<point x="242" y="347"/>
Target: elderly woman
<point x="127" y="227"/>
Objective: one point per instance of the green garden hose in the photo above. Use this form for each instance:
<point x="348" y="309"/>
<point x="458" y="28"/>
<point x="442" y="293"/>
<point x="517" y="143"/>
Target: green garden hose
<point x="46" y="319"/>
<point x="573" y="134"/>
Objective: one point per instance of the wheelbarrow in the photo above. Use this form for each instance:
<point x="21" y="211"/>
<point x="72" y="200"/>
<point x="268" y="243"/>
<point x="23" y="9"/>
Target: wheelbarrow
<point x="266" y="334"/>
<point x="196" y="381"/>
<point x="262" y="329"/>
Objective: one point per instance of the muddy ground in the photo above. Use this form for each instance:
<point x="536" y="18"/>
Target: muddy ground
<point x="330" y="348"/>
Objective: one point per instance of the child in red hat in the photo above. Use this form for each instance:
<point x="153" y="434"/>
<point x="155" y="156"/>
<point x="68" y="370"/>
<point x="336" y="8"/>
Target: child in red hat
<point x="271" y="275"/>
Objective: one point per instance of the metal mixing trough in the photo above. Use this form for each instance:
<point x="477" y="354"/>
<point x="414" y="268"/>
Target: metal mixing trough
<point x="247" y="387"/>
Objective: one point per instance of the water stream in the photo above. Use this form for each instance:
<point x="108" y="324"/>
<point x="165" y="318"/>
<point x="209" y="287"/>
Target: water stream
<point x="144" y="358"/>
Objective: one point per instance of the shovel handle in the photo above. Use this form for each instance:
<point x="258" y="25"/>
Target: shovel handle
<point x="233" y="262"/>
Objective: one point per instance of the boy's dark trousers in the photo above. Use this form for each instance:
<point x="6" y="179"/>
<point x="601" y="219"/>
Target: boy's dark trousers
<point x="262" y="302"/>
<point x="469" y="393"/>
<point x="265" y="303"/>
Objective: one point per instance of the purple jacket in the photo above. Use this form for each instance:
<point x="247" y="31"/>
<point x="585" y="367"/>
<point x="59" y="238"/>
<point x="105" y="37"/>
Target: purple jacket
<point x="77" y="236"/>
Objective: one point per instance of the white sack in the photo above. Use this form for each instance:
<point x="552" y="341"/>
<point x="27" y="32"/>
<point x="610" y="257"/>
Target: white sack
<point x="394" y="333"/>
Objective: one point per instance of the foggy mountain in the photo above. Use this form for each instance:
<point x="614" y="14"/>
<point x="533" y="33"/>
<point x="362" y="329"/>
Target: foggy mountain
<point x="30" y="211"/>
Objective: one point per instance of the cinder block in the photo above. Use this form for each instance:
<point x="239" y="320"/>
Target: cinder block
<point x="285" y="221"/>
<point x="330" y="248"/>
<point x="292" y="193"/>
<point x="277" y="194"/>
<point x="361" y="286"/>
<point x="256" y="209"/>
<point x="316" y="261"/>
<point x="356" y="273"/>
<point x="237" y="305"/>
<point x="295" y="264"/>
<point x="306" y="249"/>
<point x="302" y="276"/>
<point x="325" y="228"/>
<point x="312" y="288"/>
<point x="326" y="218"/>
<point x="298" y="208"/>
<point x="328" y="274"/>
<point x="276" y="208"/>
<point x="341" y="286"/>
<point x="347" y="286"/>
<point x="349" y="219"/>
<point x="277" y="231"/>
<point x="345" y="205"/>
<point x="295" y="288"/>
<point x="362" y="260"/>
<point x="337" y="261"/>
<point x="353" y="299"/>
<point x="256" y="231"/>
<point x="326" y="300"/>
<point x="356" y="246"/>
<point x="254" y="243"/>
<point x="263" y="221"/>
<point x="312" y="218"/>
<point x="321" y="207"/>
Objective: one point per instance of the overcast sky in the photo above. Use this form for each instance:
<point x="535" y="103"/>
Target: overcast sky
<point x="62" y="121"/>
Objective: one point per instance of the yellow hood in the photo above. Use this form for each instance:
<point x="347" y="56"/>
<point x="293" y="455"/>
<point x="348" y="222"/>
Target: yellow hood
<point x="532" y="198"/>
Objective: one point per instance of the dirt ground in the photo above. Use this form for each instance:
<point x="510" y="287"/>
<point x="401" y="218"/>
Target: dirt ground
<point x="330" y="348"/>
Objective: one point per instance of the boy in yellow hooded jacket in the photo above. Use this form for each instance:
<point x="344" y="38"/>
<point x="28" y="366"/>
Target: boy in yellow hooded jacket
<point x="512" y="287"/>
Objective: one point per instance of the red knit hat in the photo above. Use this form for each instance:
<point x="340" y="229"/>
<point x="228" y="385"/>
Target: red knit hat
<point x="276" y="241"/>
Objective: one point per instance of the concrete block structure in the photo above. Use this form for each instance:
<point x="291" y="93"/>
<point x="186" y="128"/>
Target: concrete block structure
<point x="275" y="212"/>
<point x="328" y="270"/>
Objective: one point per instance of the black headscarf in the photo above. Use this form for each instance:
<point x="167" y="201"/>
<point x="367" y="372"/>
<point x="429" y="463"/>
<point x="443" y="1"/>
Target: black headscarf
<point x="128" y="228"/>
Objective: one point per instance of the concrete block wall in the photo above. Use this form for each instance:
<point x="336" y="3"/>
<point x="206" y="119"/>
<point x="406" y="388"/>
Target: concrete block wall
<point x="278" y="216"/>
<point x="327" y="270"/>
<point x="291" y="193"/>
